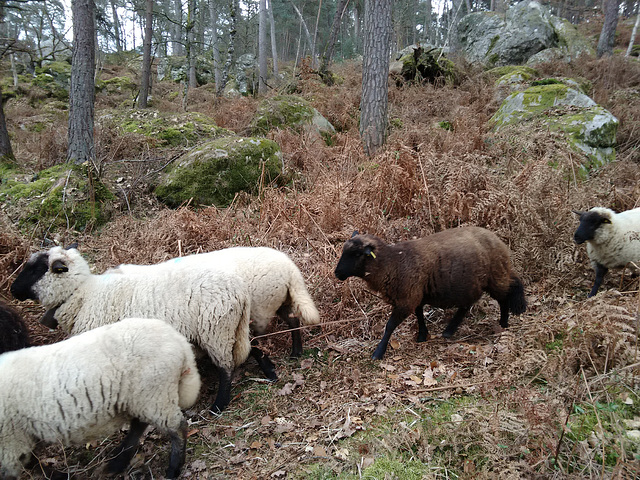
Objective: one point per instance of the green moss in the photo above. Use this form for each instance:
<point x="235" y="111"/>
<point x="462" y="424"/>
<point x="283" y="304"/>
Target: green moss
<point x="216" y="171"/>
<point x="391" y="468"/>
<point x="446" y="125"/>
<point x="59" y="197"/>
<point x="117" y="85"/>
<point x="171" y="129"/>
<point x="494" y="40"/>
<point x="282" y="111"/>
<point x="7" y="168"/>
<point x="546" y="81"/>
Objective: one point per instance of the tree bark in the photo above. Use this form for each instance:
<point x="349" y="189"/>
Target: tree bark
<point x="607" y="35"/>
<point x="177" y="47"/>
<point x="116" y="25"/>
<point x="231" y="48"/>
<point x="375" y="73"/>
<point x="333" y="35"/>
<point x="303" y="24"/>
<point x="274" y="48"/>
<point x="145" y="80"/>
<point x="215" y="43"/>
<point x="6" y="152"/>
<point x="633" y="34"/>
<point x="82" y="91"/>
<point x="262" y="48"/>
<point x="190" y="44"/>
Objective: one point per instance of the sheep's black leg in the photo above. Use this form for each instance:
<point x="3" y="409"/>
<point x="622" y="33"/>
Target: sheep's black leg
<point x="455" y="322"/>
<point x="504" y="313"/>
<point x="423" y="333"/>
<point x="284" y="312"/>
<point x="178" y="448"/>
<point x="224" y="391"/>
<point x="127" y="449"/>
<point x="397" y="316"/>
<point x="264" y="362"/>
<point x="601" y="271"/>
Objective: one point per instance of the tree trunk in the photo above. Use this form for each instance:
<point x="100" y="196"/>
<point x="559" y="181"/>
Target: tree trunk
<point x="6" y="152"/>
<point x="81" y="90"/>
<point x="303" y="25"/>
<point x="607" y="35"/>
<point x="427" y="36"/>
<point x="190" y="45"/>
<point x="333" y="35"/>
<point x="633" y="34"/>
<point x="177" y="47"/>
<point x="274" y="48"/>
<point x="145" y="80"/>
<point x="231" y="49"/>
<point x="262" y="48"/>
<point x="375" y="72"/>
<point x="215" y="43"/>
<point x="116" y="25"/>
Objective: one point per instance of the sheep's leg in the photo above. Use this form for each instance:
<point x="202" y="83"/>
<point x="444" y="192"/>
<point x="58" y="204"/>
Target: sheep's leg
<point x="397" y="316"/>
<point x="178" y="448"/>
<point x="285" y="313"/>
<point x="455" y="322"/>
<point x="504" y="313"/>
<point x="601" y="271"/>
<point x="264" y="362"/>
<point x="127" y="449"/>
<point x="224" y="391"/>
<point x="423" y="333"/>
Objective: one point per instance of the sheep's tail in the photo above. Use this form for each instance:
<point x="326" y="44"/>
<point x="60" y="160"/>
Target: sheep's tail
<point x="301" y="301"/>
<point x="242" y="347"/>
<point x="517" y="301"/>
<point x="189" y="384"/>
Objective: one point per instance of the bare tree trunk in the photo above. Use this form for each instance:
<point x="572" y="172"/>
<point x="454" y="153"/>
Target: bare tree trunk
<point x="427" y="23"/>
<point x="607" y="35"/>
<point x="215" y="43"/>
<point x="177" y="48"/>
<point x="262" y="48"/>
<point x="190" y="44"/>
<point x="116" y="25"/>
<point x="633" y="33"/>
<point x="333" y="35"/>
<point x="82" y="91"/>
<point x="145" y="80"/>
<point x="6" y="152"/>
<point x="274" y="48"/>
<point x="303" y="24"/>
<point x="375" y="72"/>
<point x="231" y="49"/>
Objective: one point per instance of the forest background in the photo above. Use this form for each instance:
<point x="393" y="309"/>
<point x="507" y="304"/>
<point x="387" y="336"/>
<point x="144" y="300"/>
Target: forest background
<point x="553" y="396"/>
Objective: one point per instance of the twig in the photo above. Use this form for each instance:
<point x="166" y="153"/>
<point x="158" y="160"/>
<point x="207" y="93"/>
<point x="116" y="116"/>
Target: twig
<point x="445" y="387"/>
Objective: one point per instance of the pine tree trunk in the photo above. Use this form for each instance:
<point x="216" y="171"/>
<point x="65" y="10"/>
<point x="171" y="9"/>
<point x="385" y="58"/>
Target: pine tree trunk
<point x="607" y="35"/>
<point x="231" y="48"/>
<point x="190" y="47"/>
<point x="145" y="80"/>
<point x="177" y="47"/>
<point x="116" y="25"/>
<point x="262" y="48"/>
<point x="215" y="44"/>
<point x="6" y="152"/>
<point x="375" y="73"/>
<point x="333" y="35"/>
<point x="633" y="34"/>
<point x="274" y="48"/>
<point x="81" y="91"/>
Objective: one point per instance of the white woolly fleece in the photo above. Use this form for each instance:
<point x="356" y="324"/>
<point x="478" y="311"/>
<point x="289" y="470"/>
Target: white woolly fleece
<point x="89" y="385"/>
<point x="617" y="243"/>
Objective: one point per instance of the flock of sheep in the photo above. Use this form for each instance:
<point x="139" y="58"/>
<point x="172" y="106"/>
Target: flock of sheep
<point x="129" y="357"/>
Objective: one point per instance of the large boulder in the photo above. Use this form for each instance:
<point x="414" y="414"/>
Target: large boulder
<point x="526" y="29"/>
<point x="214" y="172"/>
<point x="588" y="128"/>
<point x="290" y="111"/>
<point x="417" y="63"/>
<point x="57" y="198"/>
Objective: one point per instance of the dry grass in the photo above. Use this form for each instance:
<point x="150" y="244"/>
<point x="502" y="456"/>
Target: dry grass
<point x="518" y="392"/>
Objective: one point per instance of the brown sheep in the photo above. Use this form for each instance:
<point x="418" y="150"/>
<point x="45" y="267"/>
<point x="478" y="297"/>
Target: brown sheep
<point x="447" y="269"/>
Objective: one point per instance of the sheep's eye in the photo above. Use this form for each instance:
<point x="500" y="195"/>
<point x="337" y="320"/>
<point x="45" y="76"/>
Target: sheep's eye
<point x="606" y="220"/>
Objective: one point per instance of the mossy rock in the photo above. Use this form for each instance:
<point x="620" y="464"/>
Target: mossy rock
<point x="117" y="85"/>
<point x="587" y="127"/>
<point x="171" y="129"/>
<point x="421" y="64"/>
<point x="58" y="198"/>
<point x="512" y="74"/>
<point x="288" y="111"/>
<point x="214" y="172"/>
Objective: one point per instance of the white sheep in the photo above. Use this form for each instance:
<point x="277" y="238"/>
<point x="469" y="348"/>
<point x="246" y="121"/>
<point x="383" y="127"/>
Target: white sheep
<point x="88" y="386"/>
<point x="13" y="331"/>
<point x="274" y="282"/>
<point x="613" y="239"/>
<point x="210" y="308"/>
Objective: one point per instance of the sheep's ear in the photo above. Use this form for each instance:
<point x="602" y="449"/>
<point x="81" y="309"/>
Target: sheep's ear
<point x="59" y="267"/>
<point x="355" y="232"/>
<point x="579" y="213"/>
<point x="73" y="245"/>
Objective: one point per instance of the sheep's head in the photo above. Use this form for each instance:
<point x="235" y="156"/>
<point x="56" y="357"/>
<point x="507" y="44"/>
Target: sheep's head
<point x="50" y="277"/>
<point x="593" y="224"/>
<point x="358" y="255"/>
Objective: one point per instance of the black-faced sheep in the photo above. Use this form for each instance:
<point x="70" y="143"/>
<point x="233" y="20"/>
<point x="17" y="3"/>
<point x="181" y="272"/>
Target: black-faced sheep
<point x="447" y="269"/>
<point x="613" y="240"/>
<point x="13" y="331"/>
<point x="88" y="386"/>
<point x="275" y="283"/>
<point x="211" y="308"/>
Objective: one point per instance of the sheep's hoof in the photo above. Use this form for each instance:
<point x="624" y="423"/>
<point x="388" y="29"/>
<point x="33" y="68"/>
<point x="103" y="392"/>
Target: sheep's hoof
<point x="422" y="338"/>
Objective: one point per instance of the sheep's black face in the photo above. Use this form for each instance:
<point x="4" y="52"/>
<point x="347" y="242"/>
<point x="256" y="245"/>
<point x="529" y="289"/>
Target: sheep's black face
<point x="589" y="224"/>
<point x="353" y="261"/>
<point x="34" y="270"/>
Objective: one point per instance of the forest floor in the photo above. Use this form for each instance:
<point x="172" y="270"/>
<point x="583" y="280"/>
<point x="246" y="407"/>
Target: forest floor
<point x="553" y="396"/>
